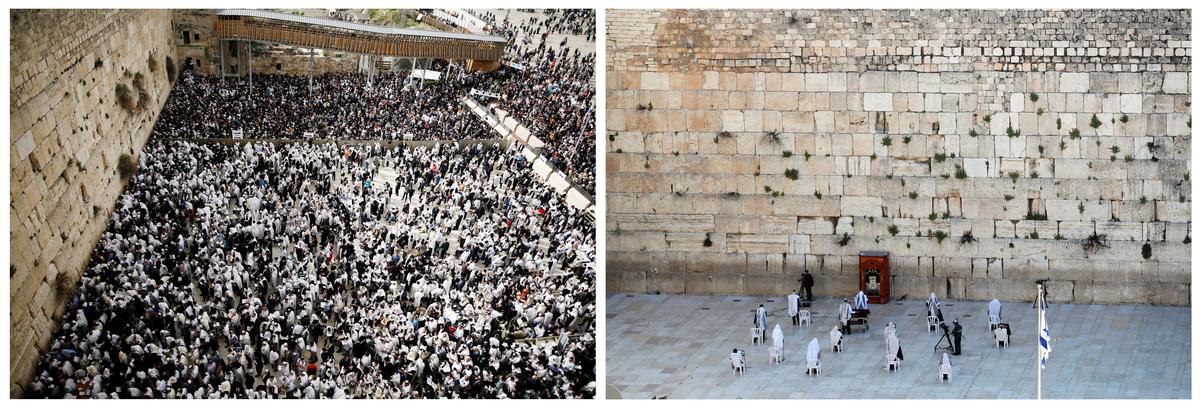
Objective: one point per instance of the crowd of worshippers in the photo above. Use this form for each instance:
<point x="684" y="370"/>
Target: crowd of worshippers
<point x="858" y="311"/>
<point x="554" y="94"/>
<point x="581" y="22"/>
<point x="340" y="106"/>
<point x="306" y="270"/>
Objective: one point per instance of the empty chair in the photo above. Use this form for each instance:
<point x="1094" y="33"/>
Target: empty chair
<point x="814" y="357"/>
<point x="805" y="317"/>
<point x="835" y="340"/>
<point x="757" y="335"/>
<point x="892" y="362"/>
<point x="1001" y="335"/>
<point x="946" y="369"/>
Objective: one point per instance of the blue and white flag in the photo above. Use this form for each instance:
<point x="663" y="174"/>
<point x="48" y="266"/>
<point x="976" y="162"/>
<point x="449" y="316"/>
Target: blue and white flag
<point x="1043" y="335"/>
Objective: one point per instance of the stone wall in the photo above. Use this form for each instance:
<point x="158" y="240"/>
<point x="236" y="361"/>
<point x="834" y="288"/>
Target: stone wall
<point x="747" y="146"/>
<point x="68" y="131"/>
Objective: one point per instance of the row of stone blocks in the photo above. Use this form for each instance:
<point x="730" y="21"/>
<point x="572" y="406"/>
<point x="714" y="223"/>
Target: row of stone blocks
<point x="914" y="277"/>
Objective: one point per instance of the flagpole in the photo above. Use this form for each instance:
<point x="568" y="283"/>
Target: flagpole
<point x="1038" y="347"/>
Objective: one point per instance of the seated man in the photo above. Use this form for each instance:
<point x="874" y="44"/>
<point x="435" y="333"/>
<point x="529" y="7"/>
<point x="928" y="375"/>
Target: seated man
<point x="835" y="338"/>
<point x="737" y="357"/>
<point x="993" y="311"/>
<point x="933" y="307"/>
<point x="946" y="367"/>
<point x="813" y="356"/>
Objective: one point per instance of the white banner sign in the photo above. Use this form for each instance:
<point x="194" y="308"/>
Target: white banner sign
<point x="309" y="135"/>
<point x="485" y="93"/>
<point x="237" y="134"/>
<point x="426" y="74"/>
<point x="516" y="65"/>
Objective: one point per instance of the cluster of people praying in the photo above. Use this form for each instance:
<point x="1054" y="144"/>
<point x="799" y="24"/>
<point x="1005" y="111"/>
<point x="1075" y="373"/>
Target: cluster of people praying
<point x="321" y="270"/>
<point x="857" y="311"/>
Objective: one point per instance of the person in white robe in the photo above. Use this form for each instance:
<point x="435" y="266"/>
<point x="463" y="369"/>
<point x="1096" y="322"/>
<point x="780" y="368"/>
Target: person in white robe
<point x="835" y="337"/>
<point x="794" y="307"/>
<point x="946" y="366"/>
<point x="892" y="343"/>
<point x="935" y="309"/>
<point x="814" y="355"/>
<point x="760" y="320"/>
<point x="777" y="340"/>
<point x="993" y="311"/>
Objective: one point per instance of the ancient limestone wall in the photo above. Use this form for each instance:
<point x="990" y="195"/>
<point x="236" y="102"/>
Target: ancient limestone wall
<point x="68" y="131"/>
<point x="746" y="146"/>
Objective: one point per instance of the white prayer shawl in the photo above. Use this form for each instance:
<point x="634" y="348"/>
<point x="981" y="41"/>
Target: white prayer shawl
<point x="945" y="360"/>
<point x="994" y="311"/>
<point x="893" y="344"/>
<point x="761" y="319"/>
<point x="835" y="336"/>
<point x="860" y="301"/>
<point x="933" y="304"/>
<point x="844" y="313"/>
<point x="793" y="305"/>
<point x="814" y="352"/>
<point x="777" y="338"/>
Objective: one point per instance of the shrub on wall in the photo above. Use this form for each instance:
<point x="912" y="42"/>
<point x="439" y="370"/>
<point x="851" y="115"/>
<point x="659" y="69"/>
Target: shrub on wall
<point x="126" y="166"/>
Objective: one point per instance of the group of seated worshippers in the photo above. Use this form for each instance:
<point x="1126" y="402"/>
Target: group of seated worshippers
<point x="268" y="271"/>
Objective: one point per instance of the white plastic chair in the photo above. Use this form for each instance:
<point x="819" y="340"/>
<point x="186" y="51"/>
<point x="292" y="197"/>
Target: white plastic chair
<point x="814" y="367"/>
<point x="1001" y="336"/>
<point x="776" y="355"/>
<point x="757" y="334"/>
<point x="805" y="317"/>
<point x="932" y="322"/>
<point x="945" y="372"/>
<point x="835" y="342"/>
<point x="892" y="362"/>
<point x="739" y="364"/>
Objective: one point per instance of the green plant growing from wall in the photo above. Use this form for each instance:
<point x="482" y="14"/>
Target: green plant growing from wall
<point x="1095" y="122"/>
<point x="792" y="174"/>
<point x="893" y="230"/>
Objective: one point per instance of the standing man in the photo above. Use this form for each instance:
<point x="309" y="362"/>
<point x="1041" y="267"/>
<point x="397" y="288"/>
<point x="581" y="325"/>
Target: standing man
<point x="806" y="281"/>
<point x="844" y="314"/>
<point x="760" y="320"/>
<point x="794" y="307"/>
<point x="957" y="332"/>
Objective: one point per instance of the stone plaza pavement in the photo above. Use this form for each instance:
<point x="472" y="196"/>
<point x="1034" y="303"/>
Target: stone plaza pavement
<point x="678" y="346"/>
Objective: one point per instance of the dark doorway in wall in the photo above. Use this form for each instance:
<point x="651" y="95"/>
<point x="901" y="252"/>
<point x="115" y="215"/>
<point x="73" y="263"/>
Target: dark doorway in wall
<point x="187" y="37"/>
<point x="278" y="67"/>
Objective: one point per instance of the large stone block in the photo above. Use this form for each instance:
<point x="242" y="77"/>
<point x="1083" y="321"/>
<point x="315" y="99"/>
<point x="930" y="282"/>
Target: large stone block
<point x="877" y="101"/>
<point x="1074" y="82"/>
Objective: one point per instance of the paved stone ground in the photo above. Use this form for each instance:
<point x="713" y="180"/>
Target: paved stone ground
<point x="679" y="345"/>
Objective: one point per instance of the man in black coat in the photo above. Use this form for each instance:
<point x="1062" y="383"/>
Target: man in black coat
<point x="806" y="282"/>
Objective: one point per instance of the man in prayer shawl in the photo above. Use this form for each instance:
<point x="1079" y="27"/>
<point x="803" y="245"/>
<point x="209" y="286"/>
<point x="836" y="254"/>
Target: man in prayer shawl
<point x="835" y="337"/>
<point x="760" y="320"/>
<point x="845" y="312"/>
<point x="794" y="307"/>
<point x="934" y="307"/>
<point x="813" y="356"/>
<point x="946" y="367"/>
<point x="736" y="356"/>
<point x="860" y="305"/>
<point x="892" y="342"/>
<point x="993" y="311"/>
<point x="777" y="339"/>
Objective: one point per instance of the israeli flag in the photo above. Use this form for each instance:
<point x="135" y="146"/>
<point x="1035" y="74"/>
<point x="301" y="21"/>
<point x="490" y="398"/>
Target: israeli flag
<point x="1043" y="335"/>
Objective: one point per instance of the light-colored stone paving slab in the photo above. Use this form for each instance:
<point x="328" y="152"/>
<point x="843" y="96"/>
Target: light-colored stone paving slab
<point x="679" y="345"/>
